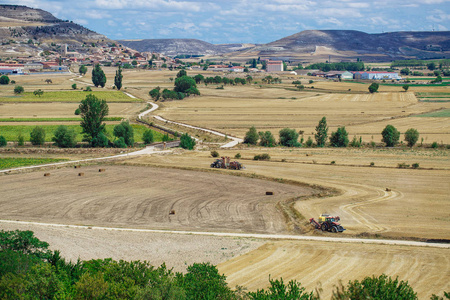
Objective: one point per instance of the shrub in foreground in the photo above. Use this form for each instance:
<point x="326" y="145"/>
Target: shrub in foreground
<point x="263" y="156"/>
<point x="37" y="136"/>
<point x="187" y="142"/>
<point x="390" y="136"/>
<point x="64" y="137"/>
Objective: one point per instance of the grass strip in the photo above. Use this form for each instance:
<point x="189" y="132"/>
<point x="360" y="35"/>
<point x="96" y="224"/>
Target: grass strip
<point x="69" y="96"/>
<point x="53" y="119"/>
<point x="15" y="162"/>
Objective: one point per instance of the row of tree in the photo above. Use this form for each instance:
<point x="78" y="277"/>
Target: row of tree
<point x="99" y="77"/>
<point x="290" y="137"/>
<point x="29" y="270"/>
<point x="184" y="87"/>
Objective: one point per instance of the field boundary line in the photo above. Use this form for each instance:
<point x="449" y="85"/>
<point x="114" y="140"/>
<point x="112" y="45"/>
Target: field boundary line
<point x="244" y="235"/>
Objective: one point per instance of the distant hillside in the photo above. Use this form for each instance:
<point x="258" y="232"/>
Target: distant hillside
<point x="174" y="47"/>
<point x="20" y="23"/>
<point x="351" y="44"/>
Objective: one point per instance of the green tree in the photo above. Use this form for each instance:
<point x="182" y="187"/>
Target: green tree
<point x="405" y="71"/>
<point x="3" y="141"/>
<point x="74" y="86"/>
<point x="118" y="78"/>
<point x="251" y="137"/>
<point x="373" y="88"/>
<point x="38" y="92"/>
<point x="37" y="136"/>
<point x="125" y="130"/>
<point x="382" y="287"/>
<point x="339" y="138"/>
<point x="405" y="87"/>
<point x="321" y="135"/>
<point x="181" y="73"/>
<point x="279" y="290"/>
<point x="266" y="139"/>
<point x="155" y="93"/>
<point x="93" y="111"/>
<point x="199" y="78"/>
<point x="18" y="89"/>
<point x="98" y="76"/>
<point x="289" y="137"/>
<point x="390" y="136"/>
<point x="187" y="142"/>
<point x="411" y="136"/>
<point x="185" y="84"/>
<point x="64" y="137"/>
<point x="82" y="70"/>
<point x="120" y="143"/>
<point x="4" y="79"/>
<point x="431" y="66"/>
<point x="147" y="136"/>
<point x="23" y="242"/>
<point x="101" y="140"/>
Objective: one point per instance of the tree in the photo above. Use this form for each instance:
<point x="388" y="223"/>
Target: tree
<point x="278" y="290"/>
<point x="125" y="130"/>
<point x="405" y="87"/>
<point x="3" y="142"/>
<point x="251" y="137"/>
<point x="382" y="287"/>
<point x="38" y="92"/>
<point x="64" y="137"/>
<point x="321" y="135"/>
<point x="185" y="84"/>
<point x="431" y="66"/>
<point x="74" y="86"/>
<point x="181" y="73"/>
<point x="199" y="78"/>
<point x="390" y="136"/>
<point x="373" y="88"/>
<point x="289" y="137"/>
<point x="82" y="70"/>
<point x="266" y="139"/>
<point x="118" y="78"/>
<point x="93" y="111"/>
<point x="155" y="94"/>
<point x="98" y="76"/>
<point x="37" y="136"/>
<point x="147" y="137"/>
<point x="339" y="138"/>
<point x="405" y="71"/>
<point x="411" y="136"/>
<point x="187" y="142"/>
<point x="4" y="79"/>
<point x="18" y="89"/>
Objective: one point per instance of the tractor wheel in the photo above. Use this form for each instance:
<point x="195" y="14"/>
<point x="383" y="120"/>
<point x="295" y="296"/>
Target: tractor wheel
<point x="324" y="227"/>
<point x="334" y="229"/>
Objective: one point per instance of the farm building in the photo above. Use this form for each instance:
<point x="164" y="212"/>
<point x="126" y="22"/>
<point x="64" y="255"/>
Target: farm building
<point x="274" y="66"/>
<point x="339" y="74"/>
<point x="376" y="75"/>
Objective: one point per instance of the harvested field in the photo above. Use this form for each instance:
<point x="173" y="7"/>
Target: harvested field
<point x="69" y="96"/>
<point x="142" y="197"/>
<point x="324" y="264"/>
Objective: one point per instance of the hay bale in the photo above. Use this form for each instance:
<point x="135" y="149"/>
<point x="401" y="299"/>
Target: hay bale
<point x="269" y="193"/>
<point x="77" y="167"/>
<point x="388" y="189"/>
<point x="46" y="174"/>
<point x="101" y="170"/>
<point x="80" y="174"/>
<point x="172" y="212"/>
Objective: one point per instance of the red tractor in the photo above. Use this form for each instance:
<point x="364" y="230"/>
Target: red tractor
<point x="327" y="223"/>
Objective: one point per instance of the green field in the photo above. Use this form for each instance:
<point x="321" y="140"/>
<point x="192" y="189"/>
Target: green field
<point x="53" y="119"/>
<point x="437" y="114"/>
<point x="11" y="132"/>
<point x="69" y="96"/>
<point x="14" y="162"/>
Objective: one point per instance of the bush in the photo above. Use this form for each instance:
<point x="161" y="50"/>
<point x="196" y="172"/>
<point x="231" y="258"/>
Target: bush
<point x="311" y="81"/>
<point x="4" y="79"/>
<point x="125" y="131"/>
<point x="237" y="156"/>
<point x="289" y="137"/>
<point x="373" y="88"/>
<point x="402" y="166"/>
<point x="321" y="135"/>
<point x="266" y="139"/>
<point x="77" y="112"/>
<point x="434" y="145"/>
<point x="187" y="142"/>
<point x="13" y="82"/>
<point x="20" y="140"/>
<point x="3" y="142"/>
<point x="147" y="137"/>
<point x="100" y="141"/>
<point x="74" y="86"/>
<point x="263" y="156"/>
<point x="309" y="142"/>
<point x="18" y="89"/>
<point x="278" y="290"/>
<point x="64" y="137"/>
<point x="339" y="138"/>
<point x="214" y="153"/>
<point x="37" y="136"/>
<point x="88" y="89"/>
<point x="120" y="143"/>
<point x="415" y="165"/>
<point x="390" y="136"/>
<point x="251" y="137"/>
<point x="411" y="136"/>
<point x="357" y="143"/>
<point x="372" y="164"/>
<point x="333" y="162"/>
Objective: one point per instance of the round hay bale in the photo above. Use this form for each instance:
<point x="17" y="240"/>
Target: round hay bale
<point x="46" y="174"/>
<point x="388" y="189"/>
<point x="269" y="193"/>
<point x="80" y="174"/>
<point x="101" y="170"/>
<point x="172" y="212"/>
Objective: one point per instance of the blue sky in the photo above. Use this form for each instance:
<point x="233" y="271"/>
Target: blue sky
<point x="244" y="21"/>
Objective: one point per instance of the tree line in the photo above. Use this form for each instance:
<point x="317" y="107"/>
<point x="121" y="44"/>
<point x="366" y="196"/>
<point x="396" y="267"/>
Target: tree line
<point x="337" y="66"/>
<point x="339" y="138"/>
<point x="29" y="270"/>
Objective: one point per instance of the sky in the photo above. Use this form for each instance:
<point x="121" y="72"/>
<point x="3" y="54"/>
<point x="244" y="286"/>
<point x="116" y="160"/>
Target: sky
<point x="244" y="21"/>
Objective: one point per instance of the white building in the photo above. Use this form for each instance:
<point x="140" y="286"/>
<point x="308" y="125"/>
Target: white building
<point x="274" y="66"/>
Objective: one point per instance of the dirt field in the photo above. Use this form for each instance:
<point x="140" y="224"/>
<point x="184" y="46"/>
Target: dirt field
<point x="323" y="265"/>
<point x="142" y="197"/>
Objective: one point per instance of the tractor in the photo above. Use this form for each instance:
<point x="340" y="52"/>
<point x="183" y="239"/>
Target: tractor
<point x="327" y="223"/>
<point x="225" y="163"/>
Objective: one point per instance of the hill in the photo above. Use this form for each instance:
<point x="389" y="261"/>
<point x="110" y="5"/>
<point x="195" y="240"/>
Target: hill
<point x="352" y="44"/>
<point x="174" y="47"/>
<point x="21" y="27"/>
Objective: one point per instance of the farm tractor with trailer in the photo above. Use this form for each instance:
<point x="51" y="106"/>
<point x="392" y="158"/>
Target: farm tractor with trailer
<point x="327" y="223"/>
<point x="226" y="163"/>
